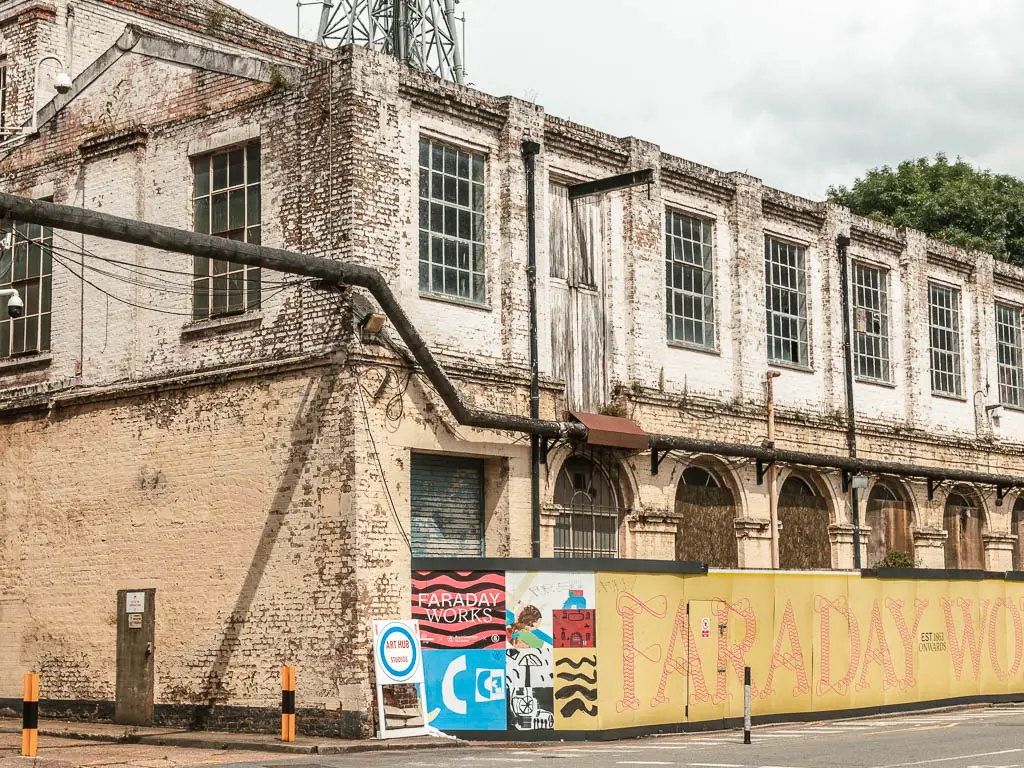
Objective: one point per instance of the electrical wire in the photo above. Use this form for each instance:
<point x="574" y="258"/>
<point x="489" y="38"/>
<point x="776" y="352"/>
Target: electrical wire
<point x="130" y="267"/>
<point x="380" y="464"/>
<point x="146" y="307"/>
<point x="168" y="287"/>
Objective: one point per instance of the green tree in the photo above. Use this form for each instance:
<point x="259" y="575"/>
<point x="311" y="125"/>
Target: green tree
<point x="951" y="201"/>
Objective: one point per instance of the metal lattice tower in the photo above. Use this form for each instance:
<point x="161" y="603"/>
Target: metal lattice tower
<point x="420" y="33"/>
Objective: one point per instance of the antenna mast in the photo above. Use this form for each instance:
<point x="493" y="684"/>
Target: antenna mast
<point x="420" y="33"/>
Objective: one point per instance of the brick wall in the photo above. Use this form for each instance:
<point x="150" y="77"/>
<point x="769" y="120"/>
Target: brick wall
<point x="232" y="500"/>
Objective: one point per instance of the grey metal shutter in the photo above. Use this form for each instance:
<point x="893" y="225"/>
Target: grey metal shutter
<point x="447" y="506"/>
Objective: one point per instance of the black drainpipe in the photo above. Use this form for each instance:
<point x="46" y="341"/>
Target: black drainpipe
<point x="842" y="245"/>
<point x="530" y="150"/>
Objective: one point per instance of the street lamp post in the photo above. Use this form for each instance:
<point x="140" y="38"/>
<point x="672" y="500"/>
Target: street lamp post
<point x="61" y="83"/>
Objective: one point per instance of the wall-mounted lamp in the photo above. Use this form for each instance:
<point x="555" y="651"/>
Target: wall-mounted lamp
<point x="373" y="323"/>
<point x="994" y="411"/>
<point x="62" y="84"/>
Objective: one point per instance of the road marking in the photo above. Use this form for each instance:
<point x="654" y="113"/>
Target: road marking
<point x="955" y="757"/>
<point x="715" y="765"/>
<point x="642" y="762"/>
<point x="503" y="759"/>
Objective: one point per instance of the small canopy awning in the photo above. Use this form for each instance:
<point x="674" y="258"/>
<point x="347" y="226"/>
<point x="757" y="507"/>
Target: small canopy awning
<point x="612" y="431"/>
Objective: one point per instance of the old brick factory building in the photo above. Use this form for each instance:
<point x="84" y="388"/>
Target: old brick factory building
<point x="263" y="459"/>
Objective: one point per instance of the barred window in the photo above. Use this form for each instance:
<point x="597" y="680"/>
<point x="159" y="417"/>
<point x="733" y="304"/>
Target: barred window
<point x="1008" y="355"/>
<point x="785" y="288"/>
<point x="871" y="323"/>
<point x="452" y="222"/>
<point x="27" y="265"/>
<point x="226" y="203"/>
<point x="689" y="280"/>
<point x="944" y="331"/>
<point x="589" y="515"/>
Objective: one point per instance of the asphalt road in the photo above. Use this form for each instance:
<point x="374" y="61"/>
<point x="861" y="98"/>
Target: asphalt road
<point x="979" y="738"/>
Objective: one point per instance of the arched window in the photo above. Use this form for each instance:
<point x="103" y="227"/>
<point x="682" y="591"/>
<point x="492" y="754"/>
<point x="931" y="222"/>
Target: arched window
<point x="888" y="516"/>
<point x="588" y="525"/>
<point x="797" y="486"/>
<point x="804" y="517"/>
<point x="707" y="514"/>
<point x="962" y="521"/>
<point x="698" y="477"/>
<point x="1017" y="529"/>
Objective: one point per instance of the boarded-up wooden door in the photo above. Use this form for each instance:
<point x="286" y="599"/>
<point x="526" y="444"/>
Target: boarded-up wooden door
<point x="577" y="298"/>
<point x="964" y="545"/>
<point x="890" y="529"/>
<point x="136" y="635"/>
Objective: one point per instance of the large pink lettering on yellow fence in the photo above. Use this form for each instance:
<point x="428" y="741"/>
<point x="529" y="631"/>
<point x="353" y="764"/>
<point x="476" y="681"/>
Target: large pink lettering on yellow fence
<point x="813" y="642"/>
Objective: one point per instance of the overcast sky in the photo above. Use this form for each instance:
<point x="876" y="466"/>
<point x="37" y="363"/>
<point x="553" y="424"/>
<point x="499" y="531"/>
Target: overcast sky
<point x="801" y="93"/>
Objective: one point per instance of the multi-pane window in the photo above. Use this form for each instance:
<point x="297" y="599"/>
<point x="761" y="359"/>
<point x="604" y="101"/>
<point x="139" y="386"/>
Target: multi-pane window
<point x="870" y="322"/>
<point x="226" y="203"/>
<point x="785" y="289"/>
<point x="944" y="332"/>
<point x="689" y="280"/>
<point x="452" y="222"/>
<point x="1008" y="355"/>
<point x="27" y="265"/>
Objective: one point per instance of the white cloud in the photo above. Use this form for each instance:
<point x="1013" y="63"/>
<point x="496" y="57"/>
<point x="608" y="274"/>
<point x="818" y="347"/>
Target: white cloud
<point x="802" y="93"/>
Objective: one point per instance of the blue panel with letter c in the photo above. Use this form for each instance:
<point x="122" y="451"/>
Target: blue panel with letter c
<point x="465" y="689"/>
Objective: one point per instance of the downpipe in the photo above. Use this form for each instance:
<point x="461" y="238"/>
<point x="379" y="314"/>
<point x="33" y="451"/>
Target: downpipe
<point x="842" y="249"/>
<point x="530" y="151"/>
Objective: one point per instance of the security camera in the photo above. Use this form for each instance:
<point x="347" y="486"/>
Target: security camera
<point x="62" y="84"/>
<point x="15" y="306"/>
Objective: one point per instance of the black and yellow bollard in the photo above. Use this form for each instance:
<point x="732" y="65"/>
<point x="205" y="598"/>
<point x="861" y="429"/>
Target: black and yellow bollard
<point x="30" y="716"/>
<point x="287" y="703"/>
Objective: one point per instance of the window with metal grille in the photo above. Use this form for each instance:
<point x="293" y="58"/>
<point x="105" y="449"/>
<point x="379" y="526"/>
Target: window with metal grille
<point x="689" y="280"/>
<point x="1008" y="355"/>
<point x="785" y="287"/>
<point x="226" y="203"/>
<point x="870" y="323"/>
<point x="944" y="332"/>
<point x="27" y="265"/>
<point x="588" y="521"/>
<point x="452" y="222"/>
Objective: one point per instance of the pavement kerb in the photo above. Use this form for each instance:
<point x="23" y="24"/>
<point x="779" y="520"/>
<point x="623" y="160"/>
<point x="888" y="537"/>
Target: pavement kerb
<point x="213" y="740"/>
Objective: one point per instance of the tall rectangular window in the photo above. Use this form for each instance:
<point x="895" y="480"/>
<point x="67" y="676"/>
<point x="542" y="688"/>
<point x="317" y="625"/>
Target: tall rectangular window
<point x="944" y="333"/>
<point x="226" y="203"/>
<point x="452" y="222"/>
<point x="1008" y="355"/>
<point x="689" y="280"/>
<point x="27" y="265"/>
<point x="3" y="93"/>
<point x="785" y="288"/>
<point x="871" y="323"/>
